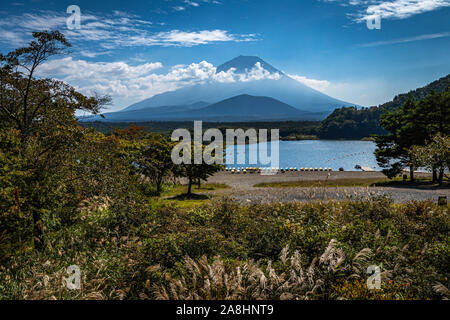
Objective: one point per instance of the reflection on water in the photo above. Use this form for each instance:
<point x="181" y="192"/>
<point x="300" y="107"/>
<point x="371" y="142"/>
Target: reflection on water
<point x="319" y="153"/>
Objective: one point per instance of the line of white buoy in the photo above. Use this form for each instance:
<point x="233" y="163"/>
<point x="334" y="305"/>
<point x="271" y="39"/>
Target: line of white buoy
<point x="282" y="170"/>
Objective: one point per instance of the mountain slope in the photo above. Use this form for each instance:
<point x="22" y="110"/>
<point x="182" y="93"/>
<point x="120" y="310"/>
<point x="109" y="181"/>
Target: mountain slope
<point x="351" y="123"/>
<point x="152" y="114"/>
<point x="242" y="64"/>
<point x="284" y="89"/>
<point x="238" y="108"/>
<point x="439" y="85"/>
<point x="249" y="108"/>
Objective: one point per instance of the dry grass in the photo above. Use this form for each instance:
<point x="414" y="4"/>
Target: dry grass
<point x="287" y="279"/>
<point x="323" y="183"/>
<point x="442" y="290"/>
<point x="227" y="251"/>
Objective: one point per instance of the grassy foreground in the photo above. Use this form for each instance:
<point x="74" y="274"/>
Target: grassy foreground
<point x="355" y="182"/>
<point x="221" y="250"/>
<point x="322" y="183"/>
<point x="177" y="195"/>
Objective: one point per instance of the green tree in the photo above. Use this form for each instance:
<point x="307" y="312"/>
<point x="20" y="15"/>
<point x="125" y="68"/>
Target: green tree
<point x="196" y="172"/>
<point x="26" y="102"/>
<point x="434" y="155"/>
<point x="41" y="114"/>
<point x="412" y="124"/>
<point x="148" y="153"/>
<point x="351" y="123"/>
<point x="392" y="149"/>
<point x="154" y="160"/>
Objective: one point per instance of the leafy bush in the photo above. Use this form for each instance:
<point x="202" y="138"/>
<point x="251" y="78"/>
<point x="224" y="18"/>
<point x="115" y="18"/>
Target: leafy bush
<point x="144" y="249"/>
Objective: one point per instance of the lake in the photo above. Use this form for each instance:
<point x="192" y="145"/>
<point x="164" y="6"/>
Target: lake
<point x="319" y="153"/>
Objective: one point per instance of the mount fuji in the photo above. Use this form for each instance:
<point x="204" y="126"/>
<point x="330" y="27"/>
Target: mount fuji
<point x="248" y="80"/>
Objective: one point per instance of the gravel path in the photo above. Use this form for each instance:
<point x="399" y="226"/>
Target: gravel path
<point x="242" y="188"/>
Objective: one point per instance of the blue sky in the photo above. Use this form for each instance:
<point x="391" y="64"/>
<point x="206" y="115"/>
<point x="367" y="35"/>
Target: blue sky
<point x="135" y="49"/>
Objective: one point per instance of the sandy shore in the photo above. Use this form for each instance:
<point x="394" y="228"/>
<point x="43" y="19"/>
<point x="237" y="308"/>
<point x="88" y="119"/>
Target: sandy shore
<point x="242" y="187"/>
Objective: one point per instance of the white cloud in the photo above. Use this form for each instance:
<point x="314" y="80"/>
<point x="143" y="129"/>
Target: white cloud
<point x="183" y="38"/>
<point x="401" y="9"/>
<point x="257" y="73"/>
<point x="195" y="4"/>
<point x="91" y="54"/>
<point x="405" y="40"/>
<point x="129" y="84"/>
<point x="394" y="9"/>
<point x="95" y="71"/>
<point x="191" y="3"/>
<point x="118" y="29"/>
<point x="367" y="92"/>
<point x="45" y="20"/>
<point x="320" y="85"/>
<point x="11" y="38"/>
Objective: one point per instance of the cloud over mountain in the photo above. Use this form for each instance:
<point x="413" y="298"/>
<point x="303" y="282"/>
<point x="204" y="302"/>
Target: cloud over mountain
<point x="124" y="81"/>
<point x="245" y="75"/>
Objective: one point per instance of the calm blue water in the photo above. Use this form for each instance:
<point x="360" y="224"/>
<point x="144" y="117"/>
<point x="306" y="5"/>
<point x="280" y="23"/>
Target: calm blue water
<point x="319" y="153"/>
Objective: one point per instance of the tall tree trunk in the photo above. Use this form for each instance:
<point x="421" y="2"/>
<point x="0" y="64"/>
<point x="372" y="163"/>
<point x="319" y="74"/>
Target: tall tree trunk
<point x="199" y="183"/>
<point x="411" y="173"/>
<point x="435" y="178"/>
<point x="441" y="176"/>
<point x="159" y="182"/>
<point x="158" y="188"/>
<point x="190" y="186"/>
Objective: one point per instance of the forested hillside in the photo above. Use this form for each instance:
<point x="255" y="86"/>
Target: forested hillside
<point x="351" y="123"/>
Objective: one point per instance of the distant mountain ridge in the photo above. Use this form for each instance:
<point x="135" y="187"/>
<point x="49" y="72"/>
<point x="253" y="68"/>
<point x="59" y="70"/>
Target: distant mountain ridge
<point x="250" y="108"/>
<point x="253" y="108"/>
<point x="265" y="81"/>
<point x="439" y="85"/>
<point x="285" y="89"/>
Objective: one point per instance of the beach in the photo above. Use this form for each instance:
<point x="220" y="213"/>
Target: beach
<point x="243" y="187"/>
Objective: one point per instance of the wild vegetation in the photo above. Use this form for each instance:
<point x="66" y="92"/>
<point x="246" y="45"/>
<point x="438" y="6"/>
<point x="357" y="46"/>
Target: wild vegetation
<point x="222" y="250"/>
<point x="325" y="182"/>
<point x="412" y="127"/>
<point x="354" y="123"/>
<point x="73" y="196"/>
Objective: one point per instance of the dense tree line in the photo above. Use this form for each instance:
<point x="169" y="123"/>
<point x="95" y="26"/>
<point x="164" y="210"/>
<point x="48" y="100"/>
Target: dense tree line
<point x="288" y="129"/>
<point x="423" y="123"/>
<point x="354" y="123"/>
<point x="351" y="123"/>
